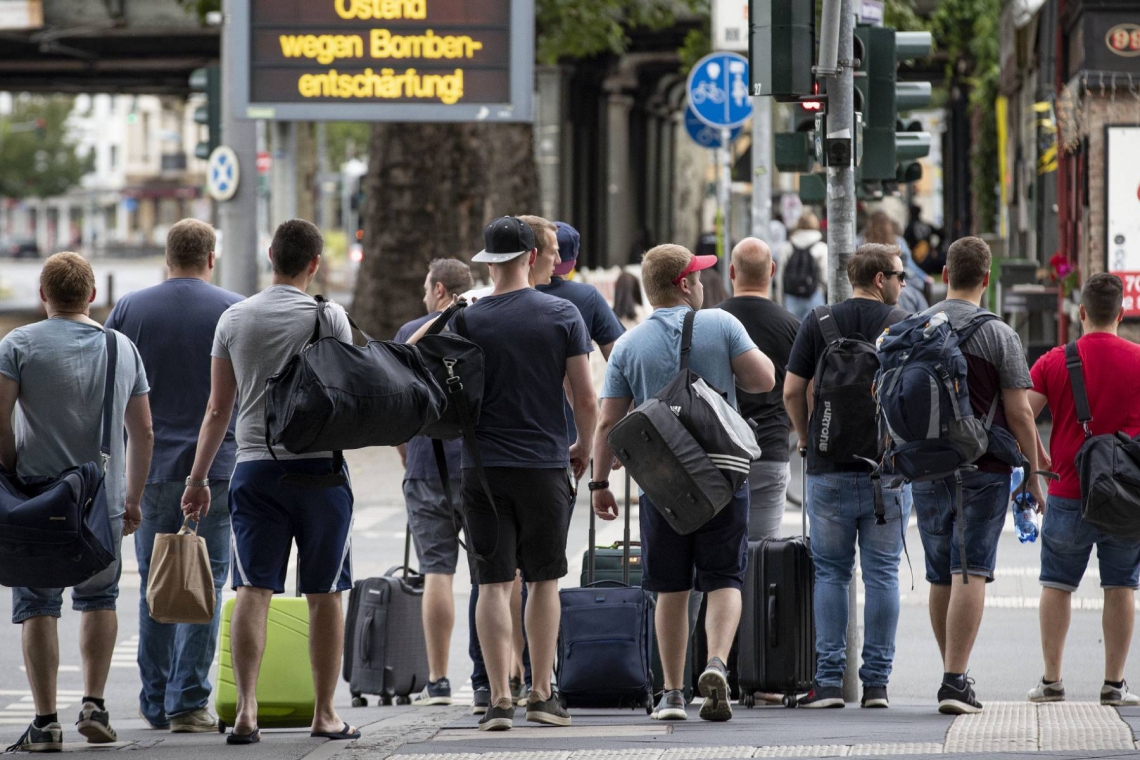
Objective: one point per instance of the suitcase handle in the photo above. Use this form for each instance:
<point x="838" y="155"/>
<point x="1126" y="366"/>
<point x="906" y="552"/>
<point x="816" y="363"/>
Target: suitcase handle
<point x="773" y="609"/>
<point x="366" y="639"/>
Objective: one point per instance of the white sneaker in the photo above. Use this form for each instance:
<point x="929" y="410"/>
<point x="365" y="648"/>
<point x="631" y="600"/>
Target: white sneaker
<point x="198" y="721"/>
<point x="1048" y="692"/>
<point x="1122" y="697"/>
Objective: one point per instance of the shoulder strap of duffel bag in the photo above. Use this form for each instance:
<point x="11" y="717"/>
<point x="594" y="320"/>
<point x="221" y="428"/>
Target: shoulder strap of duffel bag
<point x="687" y="338"/>
<point x="109" y="395"/>
<point x="1077" y="380"/>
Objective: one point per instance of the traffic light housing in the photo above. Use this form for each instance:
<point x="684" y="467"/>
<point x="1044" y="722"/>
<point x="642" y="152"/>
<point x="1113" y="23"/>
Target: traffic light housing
<point x="911" y="142"/>
<point x="209" y="81"/>
<point x="781" y="48"/>
<point x="796" y="151"/>
<point x="875" y="88"/>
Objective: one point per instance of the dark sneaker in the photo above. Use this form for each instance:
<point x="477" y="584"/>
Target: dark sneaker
<point x="481" y="701"/>
<point x="435" y="693"/>
<point x="713" y="684"/>
<point x="671" y="706"/>
<point x="498" y="718"/>
<point x="549" y="711"/>
<point x="46" y="739"/>
<point x="875" y="696"/>
<point x="95" y="724"/>
<point x="1122" y="697"/>
<point x="958" y="699"/>
<point x="822" y="696"/>
<point x="519" y="692"/>
<point x="1048" y="692"/>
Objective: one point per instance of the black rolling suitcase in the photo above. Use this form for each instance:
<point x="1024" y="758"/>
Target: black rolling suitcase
<point x="775" y="643"/>
<point x="384" y="651"/>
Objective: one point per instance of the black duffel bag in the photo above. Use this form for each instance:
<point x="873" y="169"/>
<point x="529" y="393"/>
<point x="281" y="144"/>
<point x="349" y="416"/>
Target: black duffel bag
<point x="1108" y="466"/>
<point x="457" y="365"/>
<point x="56" y="532"/>
<point x="333" y="396"/>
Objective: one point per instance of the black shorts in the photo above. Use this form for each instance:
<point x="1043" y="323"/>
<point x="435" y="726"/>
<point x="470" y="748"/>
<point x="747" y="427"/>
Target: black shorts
<point x="534" y="518"/>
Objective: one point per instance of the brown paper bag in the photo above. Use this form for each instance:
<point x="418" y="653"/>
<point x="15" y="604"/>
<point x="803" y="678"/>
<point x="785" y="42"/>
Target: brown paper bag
<point x="180" y="588"/>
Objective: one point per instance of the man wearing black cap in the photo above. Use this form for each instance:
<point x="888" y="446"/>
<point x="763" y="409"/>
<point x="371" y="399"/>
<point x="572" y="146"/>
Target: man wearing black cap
<point x="531" y="341"/>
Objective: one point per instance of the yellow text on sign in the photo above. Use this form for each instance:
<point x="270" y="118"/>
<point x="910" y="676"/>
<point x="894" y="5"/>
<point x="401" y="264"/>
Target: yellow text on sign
<point x="387" y="84"/>
<point x="326" y="48"/>
<point x="386" y="10"/>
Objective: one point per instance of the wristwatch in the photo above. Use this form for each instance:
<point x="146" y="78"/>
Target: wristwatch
<point x="204" y="483"/>
<point x="598" y="485"/>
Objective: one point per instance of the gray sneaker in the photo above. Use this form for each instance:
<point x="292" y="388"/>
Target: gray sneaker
<point x="95" y="724"/>
<point x="519" y="692"/>
<point x="480" y="701"/>
<point x="194" y="722"/>
<point x="46" y="739"/>
<point x="547" y="711"/>
<point x="1050" y="692"/>
<point x="671" y="706"/>
<point x="713" y="684"/>
<point x="1122" y="697"/>
<point x="498" y="718"/>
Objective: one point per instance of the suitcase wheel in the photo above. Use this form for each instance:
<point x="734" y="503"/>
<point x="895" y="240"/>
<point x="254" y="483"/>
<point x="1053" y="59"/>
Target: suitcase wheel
<point x="748" y="700"/>
<point x="359" y="701"/>
<point x="791" y="700"/>
<point x="405" y="700"/>
<point x="385" y="700"/>
<point x="647" y="702"/>
<point x="221" y="726"/>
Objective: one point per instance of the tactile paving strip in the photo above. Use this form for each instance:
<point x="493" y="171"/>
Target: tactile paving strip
<point x="708" y="753"/>
<point x="1082" y="725"/>
<point x="1025" y="727"/>
<point x="1000" y="727"/>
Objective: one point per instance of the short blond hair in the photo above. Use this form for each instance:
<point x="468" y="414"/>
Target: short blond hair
<point x="659" y="267"/>
<point x="67" y="281"/>
<point x="189" y="244"/>
<point x="539" y="226"/>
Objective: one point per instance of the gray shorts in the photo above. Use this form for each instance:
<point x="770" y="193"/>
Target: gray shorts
<point x="768" y="483"/>
<point x="433" y="531"/>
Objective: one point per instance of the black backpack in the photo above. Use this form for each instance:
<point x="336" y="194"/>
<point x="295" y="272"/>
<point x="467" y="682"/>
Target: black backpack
<point x="801" y="276"/>
<point x="844" y="425"/>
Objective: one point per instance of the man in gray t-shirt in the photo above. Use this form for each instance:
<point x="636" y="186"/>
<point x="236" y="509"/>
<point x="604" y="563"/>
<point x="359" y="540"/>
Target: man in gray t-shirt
<point x="253" y="341"/>
<point x="52" y="379"/>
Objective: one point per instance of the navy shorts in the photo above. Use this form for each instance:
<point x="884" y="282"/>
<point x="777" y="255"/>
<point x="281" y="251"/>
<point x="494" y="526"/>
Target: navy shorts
<point x="985" y="502"/>
<point x="267" y="516"/>
<point x="710" y="558"/>
<point x="1067" y="541"/>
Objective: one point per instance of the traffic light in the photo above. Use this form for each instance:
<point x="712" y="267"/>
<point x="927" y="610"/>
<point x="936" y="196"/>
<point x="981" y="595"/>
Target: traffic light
<point x="875" y="99"/>
<point x="41" y="128"/>
<point x="796" y="151"/>
<point x="911" y="142"/>
<point x="208" y="80"/>
<point x="781" y="48"/>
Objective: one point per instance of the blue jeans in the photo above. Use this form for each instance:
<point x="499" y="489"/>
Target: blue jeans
<point x="841" y="508"/>
<point x="800" y="306"/>
<point x="1067" y="541"/>
<point x="175" y="658"/>
<point x="985" y="503"/>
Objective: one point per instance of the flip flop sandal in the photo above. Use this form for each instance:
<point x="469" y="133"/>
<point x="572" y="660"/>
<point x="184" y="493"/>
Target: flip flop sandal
<point x="348" y="733"/>
<point x="251" y="738"/>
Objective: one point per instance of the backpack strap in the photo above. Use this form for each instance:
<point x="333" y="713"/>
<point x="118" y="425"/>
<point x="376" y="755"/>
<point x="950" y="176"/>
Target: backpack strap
<point x="445" y="318"/>
<point x="894" y="316"/>
<point x="109" y="395"/>
<point x="980" y="318"/>
<point x="1077" y="380"/>
<point x="687" y="338"/>
<point x="827" y="324"/>
<point x="322" y="304"/>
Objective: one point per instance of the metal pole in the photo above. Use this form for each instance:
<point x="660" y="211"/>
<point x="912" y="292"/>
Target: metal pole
<point x="283" y="173"/>
<point x="840" y="247"/>
<point x="238" y="216"/>
<point x="761" y="172"/>
<point x="725" y="197"/>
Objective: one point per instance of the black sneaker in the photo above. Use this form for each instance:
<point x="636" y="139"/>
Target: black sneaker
<point x="875" y="696"/>
<point x="481" y="701"/>
<point x="671" y="706"/>
<point x="435" y="693"/>
<point x="519" y="692"/>
<point x="822" y="696"/>
<point x="498" y="718"/>
<point x="713" y="684"/>
<point x="46" y="739"/>
<point x="958" y="699"/>
<point x="549" y="711"/>
<point x="95" y="724"/>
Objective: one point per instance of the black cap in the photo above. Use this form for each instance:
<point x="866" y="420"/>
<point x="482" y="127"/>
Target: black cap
<point x="504" y="239"/>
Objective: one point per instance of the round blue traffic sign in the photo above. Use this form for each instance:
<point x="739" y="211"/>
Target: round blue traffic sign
<point x="703" y="134"/>
<point x="718" y="90"/>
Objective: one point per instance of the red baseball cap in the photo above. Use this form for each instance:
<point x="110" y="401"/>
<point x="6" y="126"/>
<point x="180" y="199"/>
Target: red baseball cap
<point x="696" y="264"/>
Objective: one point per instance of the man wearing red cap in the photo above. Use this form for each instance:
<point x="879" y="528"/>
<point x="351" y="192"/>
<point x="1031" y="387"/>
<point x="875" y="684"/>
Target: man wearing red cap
<point x="712" y="558"/>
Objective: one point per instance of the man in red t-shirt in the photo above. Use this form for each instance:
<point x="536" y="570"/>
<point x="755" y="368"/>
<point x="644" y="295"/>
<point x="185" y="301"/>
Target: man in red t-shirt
<point x="1110" y="364"/>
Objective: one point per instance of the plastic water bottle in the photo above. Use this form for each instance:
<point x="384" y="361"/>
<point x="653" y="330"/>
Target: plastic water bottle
<point x="1015" y="479"/>
<point x="1025" y="517"/>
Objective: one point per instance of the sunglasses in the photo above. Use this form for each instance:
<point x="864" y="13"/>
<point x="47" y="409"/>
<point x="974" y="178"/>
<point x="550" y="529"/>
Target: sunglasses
<point x="900" y="275"/>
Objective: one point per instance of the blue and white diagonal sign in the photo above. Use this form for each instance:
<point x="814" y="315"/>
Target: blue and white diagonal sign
<point x="718" y="90"/>
<point x="222" y="174"/>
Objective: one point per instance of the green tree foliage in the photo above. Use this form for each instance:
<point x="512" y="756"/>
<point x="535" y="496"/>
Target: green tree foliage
<point x="585" y="28"/>
<point x="38" y="158"/>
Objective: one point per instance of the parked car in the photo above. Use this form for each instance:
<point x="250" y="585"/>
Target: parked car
<point x="21" y="248"/>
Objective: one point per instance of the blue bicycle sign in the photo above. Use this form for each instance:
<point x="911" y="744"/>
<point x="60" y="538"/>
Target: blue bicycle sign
<point x="718" y="90"/>
<point x="702" y="134"/>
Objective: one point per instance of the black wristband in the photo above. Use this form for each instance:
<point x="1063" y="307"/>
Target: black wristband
<point x="598" y="485"/>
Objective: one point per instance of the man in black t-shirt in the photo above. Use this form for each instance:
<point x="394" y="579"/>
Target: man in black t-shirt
<point x="839" y="497"/>
<point x="773" y="329"/>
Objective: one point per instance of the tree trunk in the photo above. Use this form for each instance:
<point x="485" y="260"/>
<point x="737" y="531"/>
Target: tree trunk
<point x="429" y="191"/>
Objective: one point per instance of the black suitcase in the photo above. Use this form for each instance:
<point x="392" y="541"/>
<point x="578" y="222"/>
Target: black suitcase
<point x="384" y="651"/>
<point x="775" y="643"/>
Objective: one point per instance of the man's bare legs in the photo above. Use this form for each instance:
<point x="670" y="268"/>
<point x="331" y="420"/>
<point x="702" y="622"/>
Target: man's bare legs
<point x="247" y="645"/>
<point x="963" y="619"/>
<point x="97" y="632"/>
<point x="938" y="606"/>
<point x="543" y="615"/>
<point x="518" y="642"/>
<point x="326" y="645"/>
<point x="1055" y="614"/>
<point x="721" y="620"/>
<point x="41" y="659"/>
<point x="672" y="623"/>
<point x="494" y="624"/>
<point x="1117" y="619"/>
<point x="439" y="620"/>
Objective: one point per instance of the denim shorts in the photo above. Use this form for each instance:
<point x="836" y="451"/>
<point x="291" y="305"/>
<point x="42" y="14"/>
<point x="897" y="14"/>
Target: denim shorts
<point x="985" y="502"/>
<point x="433" y="529"/>
<point x="99" y="592"/>
<point x="1067" y="541"/>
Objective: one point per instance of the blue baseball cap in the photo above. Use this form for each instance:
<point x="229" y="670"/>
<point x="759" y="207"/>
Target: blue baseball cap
<point x="568" y="243"/>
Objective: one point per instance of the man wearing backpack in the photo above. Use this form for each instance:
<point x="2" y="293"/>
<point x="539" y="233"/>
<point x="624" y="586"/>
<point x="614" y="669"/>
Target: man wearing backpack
<point x="1066" y="539"/>
<point x="804" y="262"/>
<point x="712" y="558"/>
<point x="998" y="380"/>
<point x="838" y="360"/>
<point x="429" y="514"/>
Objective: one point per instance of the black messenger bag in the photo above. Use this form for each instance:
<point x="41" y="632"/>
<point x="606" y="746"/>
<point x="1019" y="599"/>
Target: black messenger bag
<point x="1108" y="466"/>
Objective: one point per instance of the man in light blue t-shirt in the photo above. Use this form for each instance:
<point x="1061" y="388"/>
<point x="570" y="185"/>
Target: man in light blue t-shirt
<point x="643" y="362"/>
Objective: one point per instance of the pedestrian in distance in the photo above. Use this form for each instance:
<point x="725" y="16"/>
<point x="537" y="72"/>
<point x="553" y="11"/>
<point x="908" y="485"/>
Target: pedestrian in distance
<point x="1066" y="539"/>
<point x="173" y="324"/>
<point x="254" y="339"/>
<point x="880" y="229"/>
<point x="628" y="304"/>
<point x="52" y="379"/>
<point x="429" y="514"/>
<point x="773" y="329"/>
<point x="804" y="263"/>
<point x="711" y="559"/>
<point x="999" y="380"/>
<point x="839" y="494"/>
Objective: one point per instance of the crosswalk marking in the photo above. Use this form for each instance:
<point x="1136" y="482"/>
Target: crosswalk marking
<point x="22" y="711"/>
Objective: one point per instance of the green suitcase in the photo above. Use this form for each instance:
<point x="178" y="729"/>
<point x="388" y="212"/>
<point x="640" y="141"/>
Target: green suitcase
<point x="285" y="686"/>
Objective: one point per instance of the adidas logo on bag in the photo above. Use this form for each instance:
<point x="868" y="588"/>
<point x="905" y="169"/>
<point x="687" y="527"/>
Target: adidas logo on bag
<point x="676" y="410"/>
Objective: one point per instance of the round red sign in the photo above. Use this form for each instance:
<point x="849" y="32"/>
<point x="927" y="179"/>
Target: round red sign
<point x="1124" y="39"/>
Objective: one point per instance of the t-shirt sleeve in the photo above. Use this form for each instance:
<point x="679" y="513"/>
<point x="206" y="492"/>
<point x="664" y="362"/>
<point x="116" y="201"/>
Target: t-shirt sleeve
<point x="616" y="384"/>
<point x="10" y="356"/>
<point x="1013" y="370"/>
<point x="404" y="333"/>
<point x="141" y="386"/>
<point x="577" y="338"/>
<point x="607" y="327"/>
<point x="221" y="349"/>
<point x="340" y="323"/>
<point x="739" y="341"/>
<point x="1039" y="375"/>
<point x="113" y="319"/>
<point x="803" y="357"/>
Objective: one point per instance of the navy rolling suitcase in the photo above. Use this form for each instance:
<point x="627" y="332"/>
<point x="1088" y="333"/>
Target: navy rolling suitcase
<point x="605" y="642"/>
